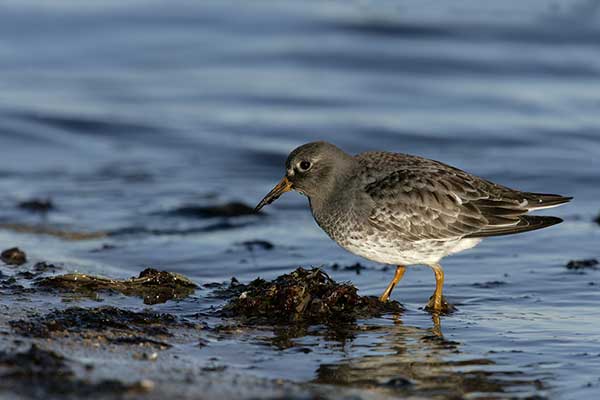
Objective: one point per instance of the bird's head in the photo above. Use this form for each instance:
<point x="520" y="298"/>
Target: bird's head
<point x="311" y="169"/>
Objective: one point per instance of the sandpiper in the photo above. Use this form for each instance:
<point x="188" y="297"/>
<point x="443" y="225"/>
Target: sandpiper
<point x="405" y="210"/>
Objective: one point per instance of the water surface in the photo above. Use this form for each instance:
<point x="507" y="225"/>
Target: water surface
<point x="121" y="112"/>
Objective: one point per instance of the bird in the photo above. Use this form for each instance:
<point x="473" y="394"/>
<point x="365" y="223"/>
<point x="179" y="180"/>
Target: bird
<point x="403" y="210"/>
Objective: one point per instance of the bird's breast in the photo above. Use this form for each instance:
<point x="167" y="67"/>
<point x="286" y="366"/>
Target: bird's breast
<point x="342" y="221"/>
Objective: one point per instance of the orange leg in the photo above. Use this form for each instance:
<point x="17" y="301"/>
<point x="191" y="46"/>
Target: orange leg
<point x="436" y="302"/>
<point x="400" y="270"/>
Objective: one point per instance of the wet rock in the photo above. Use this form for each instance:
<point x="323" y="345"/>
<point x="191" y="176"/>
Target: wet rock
<point x="590" y="263"/>
<point x="152" y="285"/>
<point x="36" y="205"/>
<point x="13" y="256"/>
<point x="233" y="209"/>
<point x="309" y="296"/>
<point x="260" y="244"/>
<point x="101" y="322"/>
<point x="39" y="373"/>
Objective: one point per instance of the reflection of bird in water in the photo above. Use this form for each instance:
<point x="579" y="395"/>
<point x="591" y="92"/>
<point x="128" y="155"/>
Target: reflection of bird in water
<point x="403" y="210"/>
<point x="409" y="361"/>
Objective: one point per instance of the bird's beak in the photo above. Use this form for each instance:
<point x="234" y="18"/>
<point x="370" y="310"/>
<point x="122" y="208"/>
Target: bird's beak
<point x="283" y="186"/>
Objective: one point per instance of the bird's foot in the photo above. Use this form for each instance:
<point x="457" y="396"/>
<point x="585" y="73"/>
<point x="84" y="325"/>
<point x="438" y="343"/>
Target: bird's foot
<point x="443" y="307"/>
<point x="384" y="298"/>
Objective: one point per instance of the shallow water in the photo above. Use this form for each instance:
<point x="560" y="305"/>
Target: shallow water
<point x="121" y="113"/>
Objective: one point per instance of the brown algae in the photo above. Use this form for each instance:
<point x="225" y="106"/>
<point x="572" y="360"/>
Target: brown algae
<point x="308" y="296"/>
<point x="14" y="256"/>
<point x="110" y="322"/>
<point x="152" y="285"/>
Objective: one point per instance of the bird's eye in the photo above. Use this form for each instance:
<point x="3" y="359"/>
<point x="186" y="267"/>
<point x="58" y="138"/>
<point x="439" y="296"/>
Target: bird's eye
<point x="304" y="165"/>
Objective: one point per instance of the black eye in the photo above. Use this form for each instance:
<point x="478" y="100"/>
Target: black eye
<point x="305" y="165"/>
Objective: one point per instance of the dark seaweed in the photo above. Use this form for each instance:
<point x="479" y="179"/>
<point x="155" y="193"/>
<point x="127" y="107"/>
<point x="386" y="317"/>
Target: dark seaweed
<point x="152" y="285"/>
<point x="94" y="321"/>
<point x="308" y="296"/>
<point x="13" y="256"/>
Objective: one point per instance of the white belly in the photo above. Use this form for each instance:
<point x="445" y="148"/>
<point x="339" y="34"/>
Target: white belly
<point x="422" y="252"/>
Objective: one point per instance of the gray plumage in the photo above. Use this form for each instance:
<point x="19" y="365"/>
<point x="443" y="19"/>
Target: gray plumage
<point x="402" y="209"/>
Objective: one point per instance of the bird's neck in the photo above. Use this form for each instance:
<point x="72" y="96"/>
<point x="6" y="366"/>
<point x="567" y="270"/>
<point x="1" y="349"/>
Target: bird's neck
<point x="333" y="201"/>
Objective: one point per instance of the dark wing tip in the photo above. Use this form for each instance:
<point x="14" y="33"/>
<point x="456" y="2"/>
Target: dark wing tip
<point x="544" y="200"/>
<point x="526" y="223"/>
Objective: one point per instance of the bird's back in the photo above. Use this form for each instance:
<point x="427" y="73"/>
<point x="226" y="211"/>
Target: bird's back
<point x="427" y="199"/>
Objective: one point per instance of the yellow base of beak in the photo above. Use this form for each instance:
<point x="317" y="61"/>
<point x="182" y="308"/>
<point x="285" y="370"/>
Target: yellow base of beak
<point x="283" y="186"/>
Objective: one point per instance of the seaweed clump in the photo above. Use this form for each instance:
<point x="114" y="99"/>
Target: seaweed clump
<point x="307" y="296"/>
<point x="152" y="285"/>
<point x="96" y="322"/>
<point x="13" y="256"/>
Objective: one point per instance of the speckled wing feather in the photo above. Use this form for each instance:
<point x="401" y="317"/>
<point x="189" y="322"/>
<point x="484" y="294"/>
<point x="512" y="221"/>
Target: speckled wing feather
<point x="422" y="199"/>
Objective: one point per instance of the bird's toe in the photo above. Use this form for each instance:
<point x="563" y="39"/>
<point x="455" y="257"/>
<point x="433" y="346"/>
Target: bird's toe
<point x="443" y="307"/>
